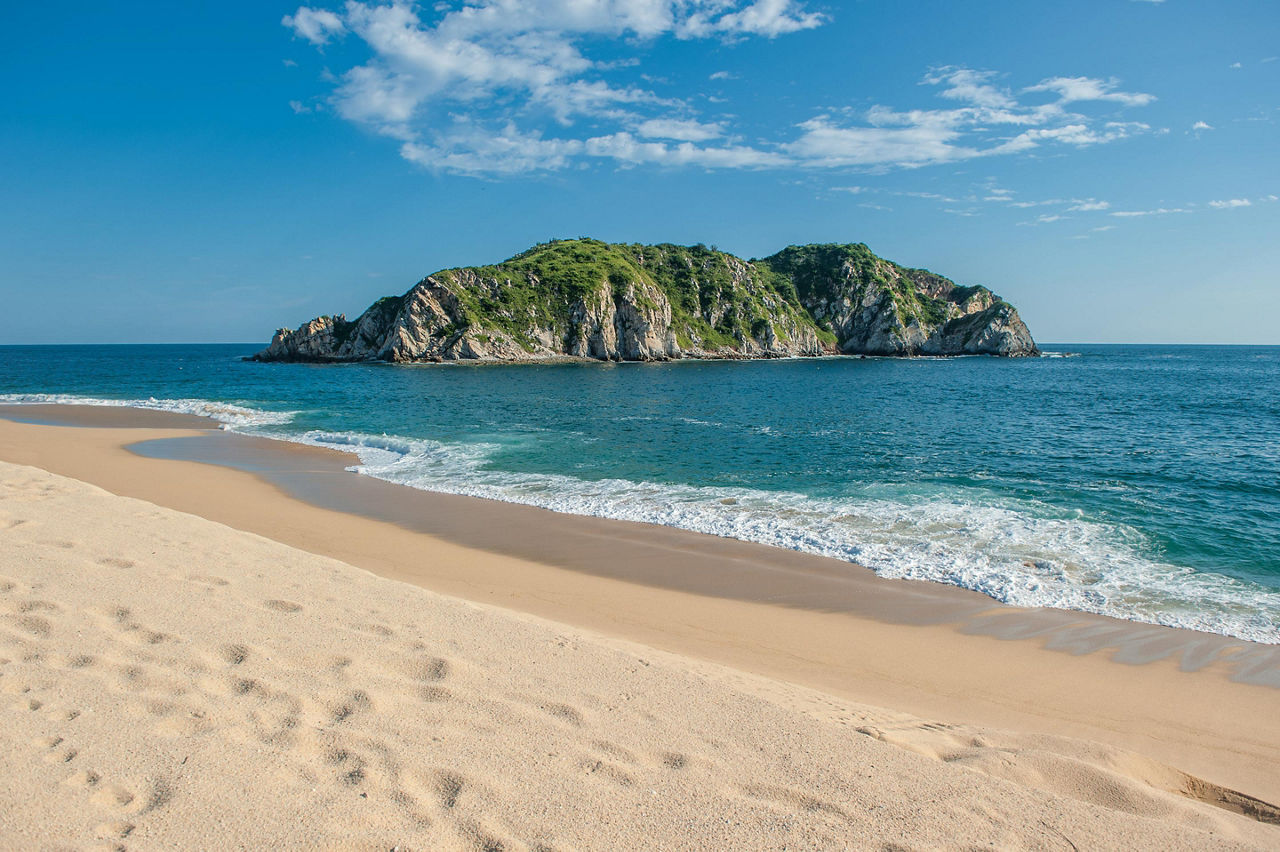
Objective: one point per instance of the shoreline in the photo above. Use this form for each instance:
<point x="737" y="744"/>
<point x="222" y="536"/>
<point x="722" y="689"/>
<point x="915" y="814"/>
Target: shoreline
<point x="170" y="682"/>
<point x="935" y="652"/>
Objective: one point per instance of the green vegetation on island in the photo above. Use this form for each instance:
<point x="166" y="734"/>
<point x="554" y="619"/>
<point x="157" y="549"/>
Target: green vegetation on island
<point x="592" y="299"/>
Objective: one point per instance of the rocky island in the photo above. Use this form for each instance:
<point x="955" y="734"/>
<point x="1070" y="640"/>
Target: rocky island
<point x="585" y="298"/>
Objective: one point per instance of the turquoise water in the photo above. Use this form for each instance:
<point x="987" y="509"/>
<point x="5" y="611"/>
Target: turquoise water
<point x="1136" y="481"/>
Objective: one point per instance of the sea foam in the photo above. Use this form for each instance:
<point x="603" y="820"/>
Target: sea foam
<point x="228" y="414"/>
<point x="1018" y="552"/>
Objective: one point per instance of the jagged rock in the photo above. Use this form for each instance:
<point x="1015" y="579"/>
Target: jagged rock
<point x="589" y="299"/>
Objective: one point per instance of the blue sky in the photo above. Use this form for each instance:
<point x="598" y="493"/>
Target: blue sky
<point x="210" y="171"/>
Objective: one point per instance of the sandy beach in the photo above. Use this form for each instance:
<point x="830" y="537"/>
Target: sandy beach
<point x="192" y="656"/>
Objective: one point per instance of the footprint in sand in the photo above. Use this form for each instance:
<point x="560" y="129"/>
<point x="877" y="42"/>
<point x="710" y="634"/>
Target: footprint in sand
<point x="233" y="655"/>
<point x="34" y="625"/>
<point x="38" y="606"/>
<point x="83" y="778"/>
<point x="448" y="788"/>
<point x="350" y="766"/>
<point x="208" y="580"/>
<point x="282" y="606"/>
<point x="134" y="632"/>
<point x="430" y="669"/>
<point x="115" y="830"/>
<point x="357" y="702"/>
<point x="562" y="711"/>
<point x="56" y="751"/>
<point x="434" y="694"/>
<point x="113" y="797"/>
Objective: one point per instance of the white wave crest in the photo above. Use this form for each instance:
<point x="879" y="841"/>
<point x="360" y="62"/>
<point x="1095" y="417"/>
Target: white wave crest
<point x="228" y="414"/>
<point x="1020" y="554"/>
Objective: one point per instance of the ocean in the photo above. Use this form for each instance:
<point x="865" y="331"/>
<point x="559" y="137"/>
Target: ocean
<point x="1140" y="482"/>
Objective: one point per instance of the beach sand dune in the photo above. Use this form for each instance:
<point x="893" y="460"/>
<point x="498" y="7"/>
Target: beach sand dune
<point x="166" y="681"/>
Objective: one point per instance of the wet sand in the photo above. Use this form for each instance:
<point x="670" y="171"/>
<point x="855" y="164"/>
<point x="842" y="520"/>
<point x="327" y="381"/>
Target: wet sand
<point x="1204" y="704"/>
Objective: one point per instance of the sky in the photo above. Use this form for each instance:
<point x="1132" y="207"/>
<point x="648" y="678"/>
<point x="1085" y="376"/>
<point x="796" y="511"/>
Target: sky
<point x="210" y="171"/>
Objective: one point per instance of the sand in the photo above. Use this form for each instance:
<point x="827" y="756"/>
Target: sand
<point x="168" y="681"/>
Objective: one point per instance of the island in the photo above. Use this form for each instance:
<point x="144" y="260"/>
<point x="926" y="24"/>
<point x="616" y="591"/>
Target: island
<point x="588" y="299"/>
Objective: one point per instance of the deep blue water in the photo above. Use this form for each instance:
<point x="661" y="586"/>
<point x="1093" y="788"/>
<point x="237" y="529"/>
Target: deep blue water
<point x="1137" y="481"/>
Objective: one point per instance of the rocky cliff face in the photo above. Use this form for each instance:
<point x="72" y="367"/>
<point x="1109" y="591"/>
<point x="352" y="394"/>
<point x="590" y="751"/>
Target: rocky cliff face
<point x="589" y="299"/>
<point x="876" y="307"/>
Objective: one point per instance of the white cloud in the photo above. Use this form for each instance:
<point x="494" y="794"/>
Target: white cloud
<point x="1230" y="203"/>
<point x="684" y="130"/>
<point x="507" y="86"/>
<point x="1073" y="89"/>
<point x="315" y="25"/>
<point x="1102" y="228"/>
<point x="722" y="75"/>
<point x="926" y="141"/>
<point x="1202" y="125"/>
<point x="1159" y="211"/>
<point x="524" y="55"/>
<point x="628" y="150"/>
<point x="769" y="18"/>
<point x="974" y="87"/>
<point x="932" y="195"/>
<point x="1090" y="205"/>
<point x="477" y="152"/>
<point x="1080" y="135"/>
<point x="1235" y="65"/>
<point x="299" y="108"/>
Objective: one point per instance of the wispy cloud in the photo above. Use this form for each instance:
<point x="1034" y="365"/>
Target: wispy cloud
<point x="315" y="25"/>
<point x="1073" y="89"/>
<point x="1230" y="203"/>
<point x="1202" y="125"/>
<point x="1159" y="211"/>
<point x="684" y="130"/>
<point x="500" y="87"/>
